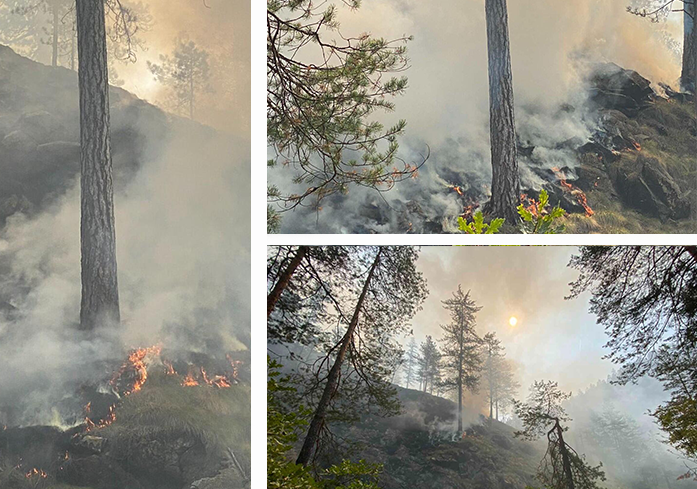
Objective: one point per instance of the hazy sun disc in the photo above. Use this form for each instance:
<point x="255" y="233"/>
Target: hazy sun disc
<point x="513" y="321"/>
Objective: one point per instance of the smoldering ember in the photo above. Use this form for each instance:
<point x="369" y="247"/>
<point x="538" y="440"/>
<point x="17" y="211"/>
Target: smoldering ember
<point x="481" y="367"/>
<point x="603" y="119"/>
<point x="124" y="237"/>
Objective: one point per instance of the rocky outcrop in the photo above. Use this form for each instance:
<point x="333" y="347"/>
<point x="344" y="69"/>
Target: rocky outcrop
<point x="39" y="133"/>
<point x="644" y="185"/>
<point x="613" y="87"/>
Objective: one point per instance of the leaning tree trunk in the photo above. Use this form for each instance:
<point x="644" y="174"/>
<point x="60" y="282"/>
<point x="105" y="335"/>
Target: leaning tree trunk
<point x="100" y="296"/>
<point x="284" y="280"/>
<point x="319" y="417"/>
<point x="505" y="185"/>
<point x="689" y="60"/>
<point x="565" y="456"/>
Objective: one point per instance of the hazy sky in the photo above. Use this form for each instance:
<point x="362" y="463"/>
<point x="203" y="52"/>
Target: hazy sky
<point x="550" y="42"/>
<point x="219" y="26"/>
<point x="555" y="339"/>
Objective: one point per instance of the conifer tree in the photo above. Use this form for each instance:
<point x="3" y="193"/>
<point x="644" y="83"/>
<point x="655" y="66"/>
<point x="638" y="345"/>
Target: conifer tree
<point x="411" y="362"/>
<point x="319" y="115"/>
<point x="384" y="292"/>
<point x="461" y="352"/>
<point x="429" y="365"/>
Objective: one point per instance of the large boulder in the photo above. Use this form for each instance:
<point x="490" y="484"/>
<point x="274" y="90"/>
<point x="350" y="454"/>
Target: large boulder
<point x="162" y="457"/>
<point x="646" y="186"/>
<point x="613" y="87"/>
<point x="41" y="125"/>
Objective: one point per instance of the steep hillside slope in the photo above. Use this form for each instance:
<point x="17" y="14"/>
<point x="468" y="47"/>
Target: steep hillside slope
<point x="420" y="448"/>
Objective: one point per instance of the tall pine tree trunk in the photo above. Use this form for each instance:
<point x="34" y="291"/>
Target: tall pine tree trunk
<point x="330" y="388"/>
<point x="284" y="280"/>
<point x="689" y="59"/>
<point x="505" y="185"/>
<point x="100" y="296"/>
<point x="694" y="86"/>
<point x="459" y="391"/>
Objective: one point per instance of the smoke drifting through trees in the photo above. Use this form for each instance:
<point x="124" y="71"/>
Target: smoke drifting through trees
<point x="222" y="28"/>
<point x="176" y="270"/>
<point x="552" y="338"/>
<point x="450" y="113"/>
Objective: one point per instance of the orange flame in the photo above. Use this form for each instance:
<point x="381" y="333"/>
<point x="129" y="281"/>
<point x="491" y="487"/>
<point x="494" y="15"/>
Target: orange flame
<point x="169" y="368"/>
<point x="136" y="361"/>
<point x="235" y="364"/>
<point x="109" y="419"/>
<point x="576" y="192"/>
<point x="190" y="380"/>
<point x="457" y="189"/>
<point x="219" y="381"/>
<point x="34" y="472"/>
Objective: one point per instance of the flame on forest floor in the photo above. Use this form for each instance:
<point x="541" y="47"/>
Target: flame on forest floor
<point x="109" y="419"/>
<point x="457" y="189"/>
<point x="529" y="204"/>
<point x="137" y="362"/>
<point x="201" y="377"/>
<point x="135" y="370"/>
<point x="579" y="194"/>
<point x="36" y="473"/>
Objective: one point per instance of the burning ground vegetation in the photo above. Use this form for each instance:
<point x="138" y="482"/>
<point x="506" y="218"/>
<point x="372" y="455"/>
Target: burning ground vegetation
<point x="636" y="172"/>
<point x="162" y="419"/>
<point x="628" y="168"/>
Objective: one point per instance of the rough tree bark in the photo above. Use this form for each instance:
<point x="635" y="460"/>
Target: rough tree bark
<point x="284" y="280"/>
<point x="689" y="60"/>
<point x="694" y="87"/>
<point x="505" y="185"/>
<point x="100" y="296"/>
<point x="318" y="419"/>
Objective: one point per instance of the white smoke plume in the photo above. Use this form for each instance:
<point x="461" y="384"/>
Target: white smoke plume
<point x="554" y="44"/>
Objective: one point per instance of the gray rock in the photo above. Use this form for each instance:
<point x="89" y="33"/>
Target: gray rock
<point x="41" y="125"/>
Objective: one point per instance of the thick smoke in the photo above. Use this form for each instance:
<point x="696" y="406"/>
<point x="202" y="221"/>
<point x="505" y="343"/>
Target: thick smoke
<point x="554" y="47"/>
<point x="182" y="245"/>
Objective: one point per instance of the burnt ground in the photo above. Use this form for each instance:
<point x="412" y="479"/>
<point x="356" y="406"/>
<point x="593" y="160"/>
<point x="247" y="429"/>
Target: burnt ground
<point x="165" y="436"/>
<point x="420" y="448"/>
